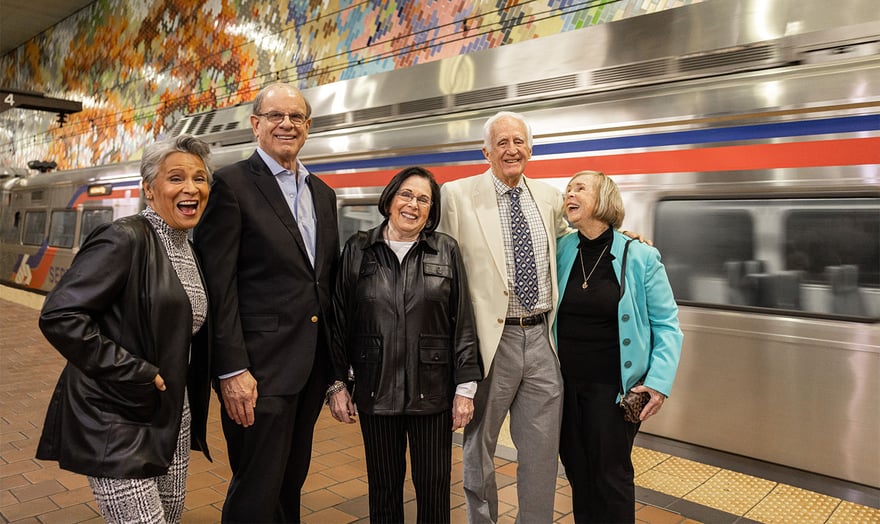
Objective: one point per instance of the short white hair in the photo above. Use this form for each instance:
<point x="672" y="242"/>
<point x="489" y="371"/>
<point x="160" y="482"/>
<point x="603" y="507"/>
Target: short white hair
<point x="487" y="127"/>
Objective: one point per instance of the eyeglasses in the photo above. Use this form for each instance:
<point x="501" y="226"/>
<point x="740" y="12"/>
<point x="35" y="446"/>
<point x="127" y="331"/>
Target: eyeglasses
<point x="276" y="117"/>
<point x="423" y="200"/>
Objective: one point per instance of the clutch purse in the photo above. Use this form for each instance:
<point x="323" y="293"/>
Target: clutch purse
<point x="633" y="403"/>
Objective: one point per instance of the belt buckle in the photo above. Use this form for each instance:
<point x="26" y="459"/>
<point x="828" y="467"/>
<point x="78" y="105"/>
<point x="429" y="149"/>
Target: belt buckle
<point x="521" y="325"/>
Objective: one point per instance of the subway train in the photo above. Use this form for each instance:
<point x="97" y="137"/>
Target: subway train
<point x="745" y="136"/>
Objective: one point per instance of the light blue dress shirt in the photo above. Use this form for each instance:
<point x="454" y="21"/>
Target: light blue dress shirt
<point x="299" y="198"/>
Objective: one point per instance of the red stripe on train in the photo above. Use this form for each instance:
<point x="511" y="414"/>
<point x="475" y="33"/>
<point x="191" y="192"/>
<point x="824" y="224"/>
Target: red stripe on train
<point x="844" y="152"/>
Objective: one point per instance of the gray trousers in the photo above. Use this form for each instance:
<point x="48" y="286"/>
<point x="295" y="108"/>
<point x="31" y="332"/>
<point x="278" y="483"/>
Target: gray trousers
<point x="524" y="380"/>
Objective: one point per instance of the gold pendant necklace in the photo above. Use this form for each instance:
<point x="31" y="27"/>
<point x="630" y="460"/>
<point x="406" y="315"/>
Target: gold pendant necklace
<point x="586" y="276"/>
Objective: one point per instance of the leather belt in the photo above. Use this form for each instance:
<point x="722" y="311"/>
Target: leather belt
<point x="533" y="320"/>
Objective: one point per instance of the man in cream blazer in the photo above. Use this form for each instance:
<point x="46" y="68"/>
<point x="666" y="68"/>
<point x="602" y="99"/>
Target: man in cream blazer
<point x="523" y="372"/>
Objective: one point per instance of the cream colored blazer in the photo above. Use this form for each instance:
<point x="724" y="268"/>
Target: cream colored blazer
<point x="470" y="215"/>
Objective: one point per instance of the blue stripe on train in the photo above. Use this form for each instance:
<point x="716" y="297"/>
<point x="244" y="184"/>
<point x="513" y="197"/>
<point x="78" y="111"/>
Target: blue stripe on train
<point x="850" y="124"/>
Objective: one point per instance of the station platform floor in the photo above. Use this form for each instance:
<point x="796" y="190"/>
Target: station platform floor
<point x="669" y="489"/>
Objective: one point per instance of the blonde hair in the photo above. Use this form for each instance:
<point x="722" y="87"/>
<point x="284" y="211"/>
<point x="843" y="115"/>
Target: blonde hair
<point x="609" y="204"/>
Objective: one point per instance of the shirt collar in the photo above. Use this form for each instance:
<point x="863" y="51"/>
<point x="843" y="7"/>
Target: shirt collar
<point x="501" y="188"/>
<point x="276" y="169"/>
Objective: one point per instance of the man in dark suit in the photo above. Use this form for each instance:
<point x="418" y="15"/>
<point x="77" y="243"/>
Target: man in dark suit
<point x="269" y="246"/>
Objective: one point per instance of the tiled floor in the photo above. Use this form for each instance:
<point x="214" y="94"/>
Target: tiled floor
<point x="678" y="490"/>
<point x="335" y="492"/>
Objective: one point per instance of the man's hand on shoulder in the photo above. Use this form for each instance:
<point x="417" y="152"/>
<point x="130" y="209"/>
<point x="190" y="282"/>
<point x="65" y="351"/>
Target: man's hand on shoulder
<point x="636" y="236"/>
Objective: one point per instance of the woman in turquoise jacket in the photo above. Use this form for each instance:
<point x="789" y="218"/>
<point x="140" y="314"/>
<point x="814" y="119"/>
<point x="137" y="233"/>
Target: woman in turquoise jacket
<point x="614" y="328"/>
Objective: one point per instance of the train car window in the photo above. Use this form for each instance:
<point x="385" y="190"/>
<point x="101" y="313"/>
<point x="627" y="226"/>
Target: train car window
<point x="357" y="217"/>
<point x="10" y="233"/>
<point x="92" y="218"/>
<point x="34" y="228"/>
<point x="697" y="239"/>
<point x="62" y="228"/>
<point x="799" y="256"/>
<point x="823" y="238"/>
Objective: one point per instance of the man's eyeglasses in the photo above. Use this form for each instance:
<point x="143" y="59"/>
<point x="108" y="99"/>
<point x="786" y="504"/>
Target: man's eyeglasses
<point x="423" y="200"/>
<point x="276" y="117"/>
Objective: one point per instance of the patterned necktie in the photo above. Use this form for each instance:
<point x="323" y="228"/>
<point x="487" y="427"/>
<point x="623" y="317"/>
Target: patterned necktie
<point x="526" y="272"/>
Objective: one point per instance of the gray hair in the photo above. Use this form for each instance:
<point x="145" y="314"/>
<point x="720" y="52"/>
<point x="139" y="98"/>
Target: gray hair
<point x="258" y="101"/>
<point x="157" y="152"/>
<point x="487" y="127"/>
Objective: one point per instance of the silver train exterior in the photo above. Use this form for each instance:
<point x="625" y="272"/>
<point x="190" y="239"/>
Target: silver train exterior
<point x="745" y="136"/>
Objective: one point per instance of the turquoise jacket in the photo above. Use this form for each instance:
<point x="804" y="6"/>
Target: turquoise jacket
<point x="650" y="339"/>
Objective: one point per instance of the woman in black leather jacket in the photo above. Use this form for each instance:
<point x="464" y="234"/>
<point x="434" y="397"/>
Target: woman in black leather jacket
<point x="405" y="329"/>
<point x="130" y="318"/>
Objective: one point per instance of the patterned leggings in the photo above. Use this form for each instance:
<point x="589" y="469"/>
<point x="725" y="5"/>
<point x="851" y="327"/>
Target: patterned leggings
<point x="156" y="500"/>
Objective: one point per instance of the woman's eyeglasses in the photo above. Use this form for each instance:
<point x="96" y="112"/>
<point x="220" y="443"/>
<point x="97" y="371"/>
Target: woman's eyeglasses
<point x="409" y="196"/>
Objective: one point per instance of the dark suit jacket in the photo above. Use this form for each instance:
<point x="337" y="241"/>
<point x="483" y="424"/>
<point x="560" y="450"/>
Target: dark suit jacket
<point x="268" y="300"/>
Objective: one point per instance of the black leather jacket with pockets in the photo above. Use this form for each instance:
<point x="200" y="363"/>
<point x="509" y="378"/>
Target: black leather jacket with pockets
<point x="119" y="316"/>
<point x="406" y="329"/>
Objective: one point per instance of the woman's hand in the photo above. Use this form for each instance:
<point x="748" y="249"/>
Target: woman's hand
<point x="341" y="406"/>
<point x="653" y="405"/>
<point x="462" y="411"/>
<point x="159" y="382"/>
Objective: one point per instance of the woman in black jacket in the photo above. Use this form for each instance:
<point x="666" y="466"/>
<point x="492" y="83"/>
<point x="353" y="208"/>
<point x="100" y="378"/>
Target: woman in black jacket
<point x="130" y="318"/>
<point x="405" y="330"/>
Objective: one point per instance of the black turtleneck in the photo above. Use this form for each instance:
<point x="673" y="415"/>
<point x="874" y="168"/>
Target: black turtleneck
<point x="587" y="318"/>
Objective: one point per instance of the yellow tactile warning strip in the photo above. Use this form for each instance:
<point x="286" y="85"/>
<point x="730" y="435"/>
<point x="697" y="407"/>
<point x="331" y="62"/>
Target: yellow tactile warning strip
<point x="743" y="495"/>
<point x="789" y="504"/>
<point x="731" y="492"/>
<point x="645" y="459"/>
<point x="849" y="513"/>
<point x="677" y="476"/>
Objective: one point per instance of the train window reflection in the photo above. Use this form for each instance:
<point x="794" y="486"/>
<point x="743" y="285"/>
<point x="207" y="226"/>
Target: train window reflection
<point x="62" y="228"/>
<point x="92" y="218"/>
<point x="10" y="227"/>
<point x="34" y="227"/>
<point x="357" y="217"/>
<point x="814" y="256"/>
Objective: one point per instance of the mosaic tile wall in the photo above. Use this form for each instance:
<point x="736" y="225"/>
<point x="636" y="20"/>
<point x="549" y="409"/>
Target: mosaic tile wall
<point x="138" y="66"/>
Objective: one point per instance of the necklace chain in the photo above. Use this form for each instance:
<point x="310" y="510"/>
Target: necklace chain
<point x="583" y="272"/>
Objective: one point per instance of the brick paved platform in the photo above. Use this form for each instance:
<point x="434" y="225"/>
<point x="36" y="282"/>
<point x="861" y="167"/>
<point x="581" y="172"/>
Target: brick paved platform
<point x="33" y="491"/>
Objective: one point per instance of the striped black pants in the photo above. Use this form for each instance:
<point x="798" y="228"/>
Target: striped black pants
<point x="430" y="443"/>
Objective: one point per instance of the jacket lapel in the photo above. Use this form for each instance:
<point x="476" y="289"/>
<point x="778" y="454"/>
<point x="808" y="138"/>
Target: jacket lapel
<point x="325" y="218"/>
<point x="485" y="203"/>
<point x="268" y="187"/>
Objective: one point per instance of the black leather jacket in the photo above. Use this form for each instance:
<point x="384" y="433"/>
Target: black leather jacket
<point x="120" y="316"/>
<point x="407" y="330"/>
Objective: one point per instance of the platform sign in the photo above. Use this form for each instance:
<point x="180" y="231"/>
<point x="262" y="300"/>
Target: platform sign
<point x="12" y="99"/>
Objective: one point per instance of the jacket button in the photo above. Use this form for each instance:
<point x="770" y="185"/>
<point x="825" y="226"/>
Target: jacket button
<point x="628" y="364"/>
<point x="314" y="318"/>
<point x="501" y="321"/>
<point x="506" y="293"/>
<point x="625" y="317"/>
<point x="626" y="342"/>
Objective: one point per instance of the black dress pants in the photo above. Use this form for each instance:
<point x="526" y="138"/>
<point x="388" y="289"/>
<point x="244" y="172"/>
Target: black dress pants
<point x="430" y="443"/>
<point x="595" y="447"/>
<point x="270" y="459"/>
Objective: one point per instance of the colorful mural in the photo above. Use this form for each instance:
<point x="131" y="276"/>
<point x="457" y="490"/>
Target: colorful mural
<point x="137" y="67"/>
